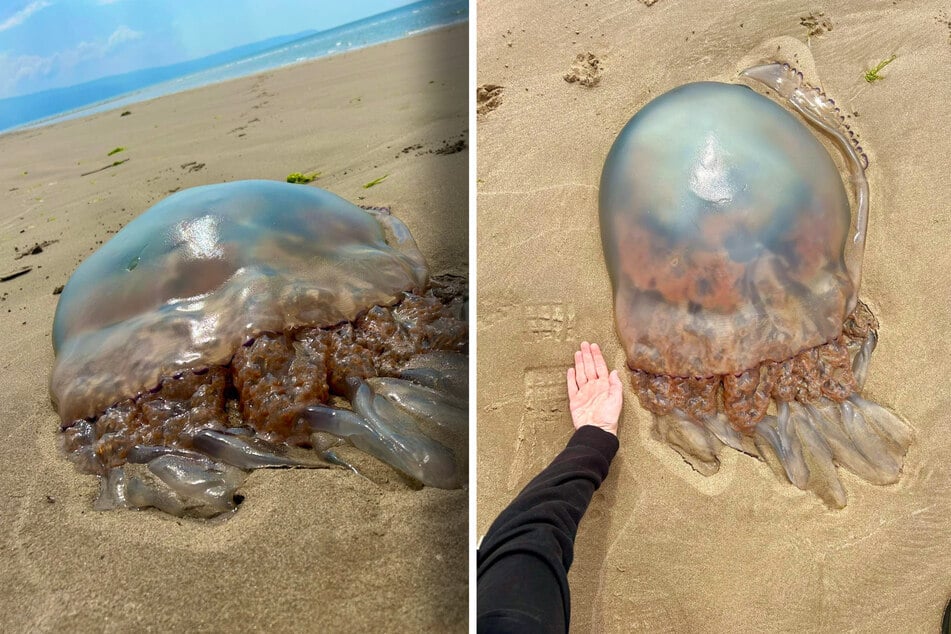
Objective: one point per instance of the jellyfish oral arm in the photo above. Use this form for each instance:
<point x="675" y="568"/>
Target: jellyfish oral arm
<point x="390" y="439"/>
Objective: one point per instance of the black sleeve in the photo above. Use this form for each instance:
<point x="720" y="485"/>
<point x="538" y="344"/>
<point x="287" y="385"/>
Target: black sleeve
<point x="523" y="561"/>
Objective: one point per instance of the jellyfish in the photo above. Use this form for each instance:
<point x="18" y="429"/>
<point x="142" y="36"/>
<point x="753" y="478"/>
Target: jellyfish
<point x="736" y="264"/>
<point x="257" y="324"/>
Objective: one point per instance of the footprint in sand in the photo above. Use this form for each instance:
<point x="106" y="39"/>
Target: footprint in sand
<point x="488" y="98"/>
<point x="586" y="70"/>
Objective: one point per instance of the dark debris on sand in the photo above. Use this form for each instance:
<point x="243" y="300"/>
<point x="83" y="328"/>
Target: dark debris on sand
<point x="449" y="146"/>
<point x="34" y="250"/>
<point x="6" y="277"/>
<point x="193" y="166"/>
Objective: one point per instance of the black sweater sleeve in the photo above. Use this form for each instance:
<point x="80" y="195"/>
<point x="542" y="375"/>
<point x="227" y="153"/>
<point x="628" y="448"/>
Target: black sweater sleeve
<point x="524" y="558"/>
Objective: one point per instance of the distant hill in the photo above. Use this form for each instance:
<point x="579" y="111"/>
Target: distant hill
<point x="16" y="111"/>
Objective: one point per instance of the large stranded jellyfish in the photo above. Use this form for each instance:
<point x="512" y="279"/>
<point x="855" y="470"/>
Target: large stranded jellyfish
<point x="255" y="324"/>
<point x="736" y="262"/>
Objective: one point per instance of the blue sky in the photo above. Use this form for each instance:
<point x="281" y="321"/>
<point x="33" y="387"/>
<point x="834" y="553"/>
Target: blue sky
<point x="53" y="43"/>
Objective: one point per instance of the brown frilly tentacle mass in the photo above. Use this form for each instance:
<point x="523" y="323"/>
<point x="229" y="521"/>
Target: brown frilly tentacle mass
<point x="269" y="379"/>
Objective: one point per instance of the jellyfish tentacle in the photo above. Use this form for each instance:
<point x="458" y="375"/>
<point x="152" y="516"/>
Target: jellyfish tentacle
<point x="330" y="455"/>
<point x="175" y="484"/>
<point x="339" y="422"/>
<point x="846" y="448"/>
<point x="249" y="453"/>
<point x="121" y="490"/>
<point x="779" y="435"/>
<point x="792" y="445"/>
<point x="823" y="477"/>
<point x="720" y="427"/>
<point x="381" y="430"/>
<point x="692" y="441"/>
<point x="434" y="463"/>
<point x="769" y="448"/>
<point x="862" y="359"/>
<point x="112" y="490"/>
<point x="144" y="454"/>
<point x="890" y="427"/>
<point x="886" y="463"/>
<point x="444" y="371"/>
<point x="423" y="402"/>
<point x="142" y="493"/>
<point x="212" y="483"/>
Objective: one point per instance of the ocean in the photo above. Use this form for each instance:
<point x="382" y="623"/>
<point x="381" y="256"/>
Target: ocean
<point x="109" y="93"/>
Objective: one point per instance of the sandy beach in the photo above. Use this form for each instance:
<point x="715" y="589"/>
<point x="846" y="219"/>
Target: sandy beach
<point x="663" y="548"/>
<point x="308" y="549"/>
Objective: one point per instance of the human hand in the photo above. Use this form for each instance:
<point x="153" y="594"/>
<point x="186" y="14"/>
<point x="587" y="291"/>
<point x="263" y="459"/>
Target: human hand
<point x="594" y="394"/>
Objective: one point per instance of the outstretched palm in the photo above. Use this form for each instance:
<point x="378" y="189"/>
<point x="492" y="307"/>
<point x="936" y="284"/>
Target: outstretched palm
<point x="594" y="394"/>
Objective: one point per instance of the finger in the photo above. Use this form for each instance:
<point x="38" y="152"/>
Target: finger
<point x="572" y="384"/>
<point x="588" y="361"/>
<point x="614" y="385"/>
<point x="580" y="375"/>
<point x="599" y="365"/>
<point x="615" y="391"/>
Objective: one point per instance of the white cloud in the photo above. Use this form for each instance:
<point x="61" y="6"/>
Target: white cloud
<point x="20" y="16"/>
<point x="37" y="72"/>
<point x="122" y="34"/>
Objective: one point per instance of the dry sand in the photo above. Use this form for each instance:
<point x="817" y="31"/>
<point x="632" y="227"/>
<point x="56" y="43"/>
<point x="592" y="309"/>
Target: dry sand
<point x="308" y="550"/>
<point x="663" y="549"/>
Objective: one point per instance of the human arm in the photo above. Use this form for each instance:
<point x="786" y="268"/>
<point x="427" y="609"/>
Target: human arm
<point x="524" y="559"/>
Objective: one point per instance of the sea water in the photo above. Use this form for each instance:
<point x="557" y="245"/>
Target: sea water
<point x="61" y="104"/>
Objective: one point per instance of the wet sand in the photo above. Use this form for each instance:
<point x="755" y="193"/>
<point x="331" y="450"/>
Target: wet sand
<point x="662" y="548"/>
<point x="307" y="550"/>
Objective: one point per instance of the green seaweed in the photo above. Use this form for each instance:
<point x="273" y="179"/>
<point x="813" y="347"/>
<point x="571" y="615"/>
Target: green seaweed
<point x="872" y="74"/>
<point x="116" y="151"/>
<point x="297" y="177"/>
<point x="375" y="181"/>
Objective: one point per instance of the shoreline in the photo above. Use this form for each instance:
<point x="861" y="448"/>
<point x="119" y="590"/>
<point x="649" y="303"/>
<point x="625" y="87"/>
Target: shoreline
<point x="76" y="113"/>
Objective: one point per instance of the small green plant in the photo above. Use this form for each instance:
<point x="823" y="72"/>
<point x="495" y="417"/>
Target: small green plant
<point x="872" y="74"/>
<point x="297" y="177"/>
<point x="375" y="181"/>
<point x="116" y="151"/>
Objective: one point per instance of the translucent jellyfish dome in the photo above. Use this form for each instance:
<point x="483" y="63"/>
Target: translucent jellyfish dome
<point x="724" y="224"/>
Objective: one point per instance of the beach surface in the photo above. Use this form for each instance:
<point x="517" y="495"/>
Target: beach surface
<point x="308" y="550"/>
<point x="663" y="548"/>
